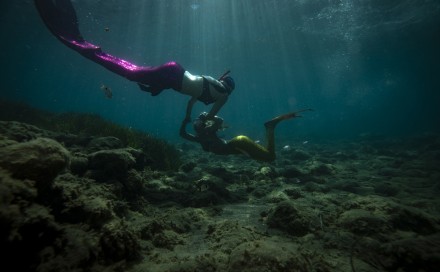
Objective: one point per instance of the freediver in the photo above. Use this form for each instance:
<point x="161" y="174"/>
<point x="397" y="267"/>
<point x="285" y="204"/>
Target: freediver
<point x="206" y="135"/>
<point x="60" y="18"/>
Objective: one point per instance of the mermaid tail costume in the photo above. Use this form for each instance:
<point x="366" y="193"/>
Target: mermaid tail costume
<point x="60" y="18"/>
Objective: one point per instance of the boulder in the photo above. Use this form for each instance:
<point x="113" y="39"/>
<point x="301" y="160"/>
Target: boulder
<point x="41" y="160"/>
<point x="288" y="218"/>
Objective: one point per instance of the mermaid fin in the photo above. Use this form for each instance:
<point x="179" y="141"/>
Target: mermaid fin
<point x="60" y="18"/>
<point x="272" y="123"/>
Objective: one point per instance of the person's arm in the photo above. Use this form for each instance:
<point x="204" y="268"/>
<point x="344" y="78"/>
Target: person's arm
<point x="189" y="107"/>
<point x="184" y="134"/>
<point x="217" y="106"/>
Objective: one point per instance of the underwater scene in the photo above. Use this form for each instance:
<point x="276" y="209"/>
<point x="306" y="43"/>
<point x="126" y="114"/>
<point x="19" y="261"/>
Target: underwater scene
<point x="220" y="135"/>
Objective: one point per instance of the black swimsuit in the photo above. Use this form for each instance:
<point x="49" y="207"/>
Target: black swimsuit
<point x="206" y="96"/>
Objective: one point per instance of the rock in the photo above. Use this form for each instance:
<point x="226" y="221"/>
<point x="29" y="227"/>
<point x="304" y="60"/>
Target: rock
<point x="133" y="189"/>
<point x="388" y="172"/>
<point x="417" y="173"/>
<point x="5" y="141"/>
<point x="260" y="191"/>
<point x="348" y="186"/>
<point x="225" y="236"/>
<point x="110" y="159"/>
<point x="118" y="243"/>
<point x="315" y="187"/>
<point x="166" y="239"/>
<point x="322" y="169"/>
<point x="272" y="256"/>
<point x="288" y="218"/>
<point x="12" y="189"/>
<point x="113" y="164"/>
<point x="79" y="164"/>
<point x="291" y="172"/>
<point x="78" y="247"/>
<point x="41" y="160"/>
<point x="386" y="189"/>
<point x="209" y="190"/>
<point x="266" y="171"/>
<point x="276" y="197"/>
<point x="293" y="193"/>
<point x="299" y="155"/>
<point x="94" y="211"/>
<point x="71" y="140"/>
<point x="188" y="167"/>
<point x="21" y="132"/>
<point x="413" y="219"/>
<point x="77" y="200"/>
<point x="26" y="227"/>
<point x="412" y="254"/>
<point x="104" y="143"/>
<point x="364" y="222"/>
<point x="221" y="172"/>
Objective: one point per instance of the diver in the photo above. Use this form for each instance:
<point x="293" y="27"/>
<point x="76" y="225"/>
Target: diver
<point x="60" y="18"/>
<point x="206" y="135"/>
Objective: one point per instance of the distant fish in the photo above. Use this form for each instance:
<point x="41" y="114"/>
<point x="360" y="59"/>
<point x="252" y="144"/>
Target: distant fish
<point x="107" y="91"/>
<point x="305" y="142"/>
<point x="287" y="148"/>
<point x="106" y="29"/>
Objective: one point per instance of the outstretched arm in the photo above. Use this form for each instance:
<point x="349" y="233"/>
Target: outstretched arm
<point x="189" y="107"/>
<point x="184" y="134"/>
<point x="217" y="106"/>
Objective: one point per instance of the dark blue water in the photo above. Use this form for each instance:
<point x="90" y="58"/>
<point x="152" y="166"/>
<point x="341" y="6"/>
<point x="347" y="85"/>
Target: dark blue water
<point x="365" y="67"/>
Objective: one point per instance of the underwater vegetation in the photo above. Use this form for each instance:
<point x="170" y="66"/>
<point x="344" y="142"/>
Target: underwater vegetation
<point x="162" y="155"/>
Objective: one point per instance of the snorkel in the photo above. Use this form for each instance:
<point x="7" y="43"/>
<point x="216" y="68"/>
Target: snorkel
<point x="227" y="82"/>
<point x="224" y="75"/>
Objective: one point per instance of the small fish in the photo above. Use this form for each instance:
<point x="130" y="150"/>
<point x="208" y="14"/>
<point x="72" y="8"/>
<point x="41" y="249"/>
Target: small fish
<point x="107" y="91"/>
<point x="305" y="142"/>
<point x="287" y="148"/>
<point x="106" y="29"/>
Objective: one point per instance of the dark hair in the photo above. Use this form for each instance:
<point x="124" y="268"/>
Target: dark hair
<point x="204" y="126"/>
<point x="229" y="82"/>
